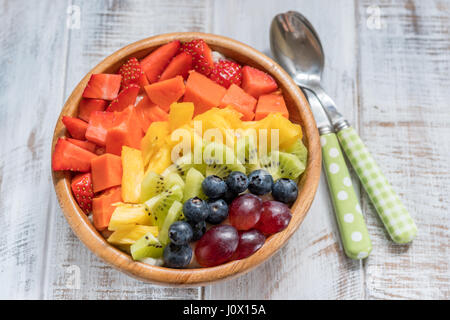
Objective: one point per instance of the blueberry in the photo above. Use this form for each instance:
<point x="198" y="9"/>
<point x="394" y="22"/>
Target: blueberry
<point x="214" y="187"/>
<point x="229" y="196"/>
<point x="218" y="211"/>
<point x="285" y="190"/>
<point x="260" y="182"/>
<point x="195" y="209"/>
<point x="237" y="182"/>
<point x="180" y="232"/>
<point x="198" y="229"/>
<point x="177" y="256"/>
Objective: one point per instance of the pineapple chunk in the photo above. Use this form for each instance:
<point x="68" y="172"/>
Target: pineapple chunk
<point x="161" y="160"/>
<point x="133" y="173"/>
<point x="130" y="215"/>
<point x="129" y="235"/>
<point x="288" y="132"/>
<point x="180" y="114"/>
<point x="154" y="139"/>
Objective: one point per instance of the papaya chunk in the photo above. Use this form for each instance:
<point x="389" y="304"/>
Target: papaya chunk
<point x="102" y="207"/>
<point x="106" y="172"/>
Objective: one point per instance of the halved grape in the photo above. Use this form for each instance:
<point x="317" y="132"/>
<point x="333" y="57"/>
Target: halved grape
<point x="275" y="216"/>
<point x="245" y="211"/>
<point x="249" y="242"/>
<point x="217" y="245"/>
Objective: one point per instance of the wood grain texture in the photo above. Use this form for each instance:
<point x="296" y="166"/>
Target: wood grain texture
<point x="312" y="264"/>
<point x="31" y="93"/>
<point x="403" y="108"/>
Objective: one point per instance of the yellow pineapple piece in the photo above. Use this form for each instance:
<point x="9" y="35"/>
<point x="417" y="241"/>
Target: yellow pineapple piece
<point x="129" y="215"/>
<point x="232" y="116"/>
<point x="129" y="235"/>
<point x="288" y="132"/>
<point x="133" y="172"/>
<point x="160" y="160"/>
<point x="154" y="139"/>
<point x="180" y="114"/>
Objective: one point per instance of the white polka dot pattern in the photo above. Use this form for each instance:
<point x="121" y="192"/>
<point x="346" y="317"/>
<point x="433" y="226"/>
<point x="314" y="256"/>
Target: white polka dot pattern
<point x="353" y="230"/>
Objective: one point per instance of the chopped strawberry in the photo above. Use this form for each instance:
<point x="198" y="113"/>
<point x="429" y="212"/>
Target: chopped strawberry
<point x="76" y="127"/>
<point x="89" y="146"/>
<point x="226" y="72"/>
<point x="126" y="97"/>
<point x="202" y="60"/>
<point x="132" y="73"/>
<point x="103" y="86"/>
<point x="256" y="82"/>
<point x="83" y="192"/>
<point x="179" y="66"/>
<point x="68" y="156"/>
<point x="155" y="63"/>
<point x="89" y="105"/>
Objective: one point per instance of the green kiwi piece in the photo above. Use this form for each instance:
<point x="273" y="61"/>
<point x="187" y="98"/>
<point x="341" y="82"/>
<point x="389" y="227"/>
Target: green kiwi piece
<point x="247" y="153"/>
<point x="299" y="150"/>
<point x="152" y="184"/>
<point x="174" y="214"/>
<point x="220" y="160"/>
<point x="146" y="246"/>
<point x="182" y="166"/>
<point x="174" y="179"/>
<point x="193" y="187"/>
<point x="282" y="165"/>
<point x="160" y="204"/>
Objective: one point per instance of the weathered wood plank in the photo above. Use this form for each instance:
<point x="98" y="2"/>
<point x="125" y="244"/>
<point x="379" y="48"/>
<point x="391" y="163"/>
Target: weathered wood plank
<point x="312" y="264"/>
<point x="31" y="92"/>
<point x="404" y="94"/>
<point x="105" y="27"/>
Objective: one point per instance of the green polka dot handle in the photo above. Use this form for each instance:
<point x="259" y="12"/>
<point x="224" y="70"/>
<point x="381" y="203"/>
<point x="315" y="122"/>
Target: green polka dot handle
<point x="354" y="235"/>
<point x="392" y="212"/>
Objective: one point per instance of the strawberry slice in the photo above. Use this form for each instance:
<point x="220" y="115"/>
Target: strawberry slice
<point x="103" y="86"/>
<point x="202" y="60"/>
<point x="256" y="82"/>
<point x="76" y="127"/>
<point x="126" y="97"/>
<point x="226" y="73"/>
<point x="179" y="66"/>
<point x="132" y="73"/>
<point x="89" y="146"/>
<point x="68" y="156"/>
<point x="88" y="105"/>
<point x="154" y="64"/>
<point x="82" y="190"/>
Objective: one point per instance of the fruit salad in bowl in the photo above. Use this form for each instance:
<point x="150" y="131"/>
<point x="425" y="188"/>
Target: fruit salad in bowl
<point x="184" y="157"/>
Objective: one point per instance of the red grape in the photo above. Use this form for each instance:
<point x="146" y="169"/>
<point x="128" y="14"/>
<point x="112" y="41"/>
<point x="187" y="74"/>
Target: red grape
<point x="275" y="216"/>
<point x="245" y="211"/>
<point x="217" y="245"/>
<point x="249" y="242"/>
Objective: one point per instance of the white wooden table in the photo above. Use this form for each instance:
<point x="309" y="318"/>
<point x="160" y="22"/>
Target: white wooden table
<point x="388" y="68"/>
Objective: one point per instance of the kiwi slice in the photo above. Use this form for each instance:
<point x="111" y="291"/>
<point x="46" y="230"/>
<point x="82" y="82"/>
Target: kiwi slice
<point x="154" y="184"/>
<point x="160" y="204"/>
<point x="299" y="150"/>
<point x="146" y="246"/>
<point x="247" y="153"/>
<point x="174" y="214"/>
<point x="193" y="187"/>
<point x="182" y="166"/>
<point x="282" y="165"/>
<point x="220" y="160"/>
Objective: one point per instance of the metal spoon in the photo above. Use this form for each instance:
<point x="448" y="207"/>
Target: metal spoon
<point x="296" y="46"/>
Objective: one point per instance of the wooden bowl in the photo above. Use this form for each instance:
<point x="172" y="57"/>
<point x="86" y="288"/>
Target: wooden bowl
<point x="300" y="113"/>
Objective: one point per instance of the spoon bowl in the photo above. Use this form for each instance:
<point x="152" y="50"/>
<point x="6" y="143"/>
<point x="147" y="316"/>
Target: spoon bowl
<point x="297" y="48"/>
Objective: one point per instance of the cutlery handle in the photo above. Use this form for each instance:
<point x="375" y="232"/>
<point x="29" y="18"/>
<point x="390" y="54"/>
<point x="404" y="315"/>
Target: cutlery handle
<point x="354" y="235"/>
<point x="392" y="212"/>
